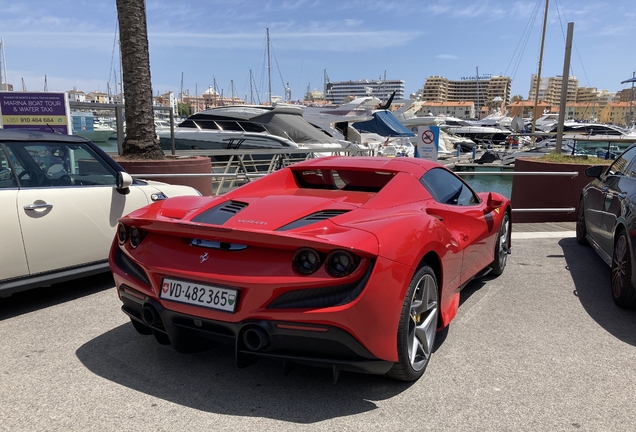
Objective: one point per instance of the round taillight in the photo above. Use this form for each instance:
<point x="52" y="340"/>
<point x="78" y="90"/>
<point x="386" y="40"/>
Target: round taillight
<point x="135" y="237"/>
<point x="341" y="263"/>
<point x="122" y="233"/>
<point x="306" y="261"/>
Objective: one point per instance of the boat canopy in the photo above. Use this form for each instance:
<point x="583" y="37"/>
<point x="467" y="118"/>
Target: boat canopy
<point x="385" y="124"/>
<point x="294" y="127"/>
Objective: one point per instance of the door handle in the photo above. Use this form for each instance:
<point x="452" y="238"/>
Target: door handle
<point x="38" y="206"/>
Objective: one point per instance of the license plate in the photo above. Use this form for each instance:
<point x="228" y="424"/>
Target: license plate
<point x="209" y="296"/>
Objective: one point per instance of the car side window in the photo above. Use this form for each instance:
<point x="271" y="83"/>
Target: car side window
<point x="46" y="164"/>
<point x="7" y="176"/>
<point x="619" y="167"/>
<point x="447" y="188"/>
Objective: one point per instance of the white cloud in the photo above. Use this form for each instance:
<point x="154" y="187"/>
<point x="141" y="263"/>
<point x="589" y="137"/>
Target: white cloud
<point x="446" y="57"/>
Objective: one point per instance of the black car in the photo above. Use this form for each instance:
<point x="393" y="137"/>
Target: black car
<point x="607" y="220"/>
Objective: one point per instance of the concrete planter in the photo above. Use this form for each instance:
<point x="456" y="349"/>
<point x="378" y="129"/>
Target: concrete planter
<point x="546" y="191"/>
<point x="174" y="165"/>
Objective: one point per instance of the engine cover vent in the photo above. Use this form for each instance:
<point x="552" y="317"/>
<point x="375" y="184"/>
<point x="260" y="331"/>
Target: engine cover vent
<point x="312" y="218"/>
<point x="220" y="214"/>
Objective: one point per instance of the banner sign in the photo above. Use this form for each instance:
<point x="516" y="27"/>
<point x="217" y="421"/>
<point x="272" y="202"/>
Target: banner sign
<point x="427" y="142"/>
<point x="35" y="111"/>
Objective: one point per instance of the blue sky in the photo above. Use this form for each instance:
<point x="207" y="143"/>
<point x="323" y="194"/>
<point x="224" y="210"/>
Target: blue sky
<point x="72" y="42"/>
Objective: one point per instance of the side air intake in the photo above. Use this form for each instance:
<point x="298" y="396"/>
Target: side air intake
<point x="312" y="218"/>
<point x="221" y="213"/>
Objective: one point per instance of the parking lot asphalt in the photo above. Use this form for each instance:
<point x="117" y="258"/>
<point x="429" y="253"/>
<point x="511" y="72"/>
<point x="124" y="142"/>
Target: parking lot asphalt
<point x="540" y="348"/>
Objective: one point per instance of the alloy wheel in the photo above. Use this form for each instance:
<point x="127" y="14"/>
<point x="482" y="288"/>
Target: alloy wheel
<point x="422" y="322"/>
<point x="619" y="267"/>
<point x="503" y="243"/>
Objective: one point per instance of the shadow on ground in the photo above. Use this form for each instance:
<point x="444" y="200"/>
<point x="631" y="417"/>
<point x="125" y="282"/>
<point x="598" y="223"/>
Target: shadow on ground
<point x="40" y="298"/>
<point x="587" y="269"/>
<point x="211" y="382"/>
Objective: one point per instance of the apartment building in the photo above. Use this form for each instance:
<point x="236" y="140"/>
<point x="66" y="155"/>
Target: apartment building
<point x="481" y="90"/>
<point x="549" y="89"/>
<point x="462" y="109"/>
<point x="582" y="111"/>
<point x="619" y="113"/>
<point x="626" y="95"/>
<point x="336" y="92"/>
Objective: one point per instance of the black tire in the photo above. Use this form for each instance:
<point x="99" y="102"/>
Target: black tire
<point x="418" y="326"/>
<point x="142" y="329"/>
<point x="623" y="291"/>
<point x="501" y="247"/>
<point x="581" y="229"/>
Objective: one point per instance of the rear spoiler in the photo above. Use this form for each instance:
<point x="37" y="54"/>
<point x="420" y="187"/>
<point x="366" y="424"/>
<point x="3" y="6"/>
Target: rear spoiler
<point x="335" y="237"/>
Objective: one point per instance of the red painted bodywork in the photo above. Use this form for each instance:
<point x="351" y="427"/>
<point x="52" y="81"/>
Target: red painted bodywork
<point x="398" y="227"/>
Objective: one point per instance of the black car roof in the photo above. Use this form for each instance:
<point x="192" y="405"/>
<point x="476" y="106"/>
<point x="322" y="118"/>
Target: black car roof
<point x="16" y="135"/>
<point x="23" y="135"/>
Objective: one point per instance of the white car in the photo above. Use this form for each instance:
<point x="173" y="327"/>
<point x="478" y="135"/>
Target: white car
<point x="60" y="199"/>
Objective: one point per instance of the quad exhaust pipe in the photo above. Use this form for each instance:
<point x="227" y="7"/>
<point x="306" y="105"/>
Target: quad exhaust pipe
<point x="255" y="338"/>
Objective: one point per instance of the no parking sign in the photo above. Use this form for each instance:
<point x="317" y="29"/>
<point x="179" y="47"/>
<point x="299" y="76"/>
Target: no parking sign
<point x="427" y="142"/>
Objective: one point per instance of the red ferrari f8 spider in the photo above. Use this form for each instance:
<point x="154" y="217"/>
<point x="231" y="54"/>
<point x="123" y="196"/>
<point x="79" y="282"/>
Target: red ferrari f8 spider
<point x="352" y="263"/>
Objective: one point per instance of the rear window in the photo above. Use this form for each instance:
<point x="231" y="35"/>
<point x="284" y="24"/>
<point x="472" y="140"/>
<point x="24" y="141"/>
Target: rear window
<point x="343" y="179"/>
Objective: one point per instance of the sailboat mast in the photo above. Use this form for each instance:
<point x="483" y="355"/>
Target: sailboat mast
<point x="251" y="89"/>
<point x="215" y="91"/>
<point x="536" y="94"/>
<point x="478" y="103"/>
<point x="181" y="88"/>
<point x="269" y="70"/>
<point x="631" y="102"/>
<point x="3" y="68"/>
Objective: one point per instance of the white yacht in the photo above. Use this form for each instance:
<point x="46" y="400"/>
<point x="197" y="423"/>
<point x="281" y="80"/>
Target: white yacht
<point x="478" y="134"/>
<point x="359" y="123"/>
<point x="247" y="127"/>
<point x="88" y="126"/>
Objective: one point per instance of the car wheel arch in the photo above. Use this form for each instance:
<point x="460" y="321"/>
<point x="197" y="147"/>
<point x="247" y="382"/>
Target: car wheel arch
<point x="433" y="260"/>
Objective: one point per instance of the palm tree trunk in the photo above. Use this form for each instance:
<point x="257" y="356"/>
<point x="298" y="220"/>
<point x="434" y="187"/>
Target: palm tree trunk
<point x="140" y="141"/>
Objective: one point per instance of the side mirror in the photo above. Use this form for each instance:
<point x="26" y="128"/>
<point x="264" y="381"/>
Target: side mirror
<point x="595" y="171"/>
<point x="123" y="180"/>
<point x="492" y="203"/>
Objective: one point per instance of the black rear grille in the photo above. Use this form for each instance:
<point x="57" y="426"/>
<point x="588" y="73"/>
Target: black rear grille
<point x="314" y="298"/>
<point x="221" y="213"/>
<point x="129" y="266"/>
<point x="312" y="218"/>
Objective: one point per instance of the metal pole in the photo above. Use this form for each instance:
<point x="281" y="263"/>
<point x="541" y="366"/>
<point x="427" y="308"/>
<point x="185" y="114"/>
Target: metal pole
<point x="536" y="95"/>
<point x="119" y="122"/>
<point x="172" y="145"/>
<point x="564" y="87"/>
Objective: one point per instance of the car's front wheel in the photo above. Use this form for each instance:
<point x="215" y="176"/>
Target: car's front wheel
<point x="623" y="292"/>
<point x="418" y="325"/>
<point x="581" y="229"/>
